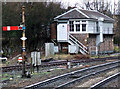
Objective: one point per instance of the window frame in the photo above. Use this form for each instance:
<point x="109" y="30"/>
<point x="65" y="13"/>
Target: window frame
<point x="85" y="28"/>
<point x="75" y="23"/>
<point x="71" y="29"/>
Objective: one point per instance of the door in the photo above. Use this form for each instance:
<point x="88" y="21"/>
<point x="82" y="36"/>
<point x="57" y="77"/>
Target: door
<point x="62" y="32"/>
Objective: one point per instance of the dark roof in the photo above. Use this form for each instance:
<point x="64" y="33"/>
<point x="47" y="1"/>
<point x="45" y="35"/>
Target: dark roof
<point x="96" y="15"/>
<point x="80" y="13"/>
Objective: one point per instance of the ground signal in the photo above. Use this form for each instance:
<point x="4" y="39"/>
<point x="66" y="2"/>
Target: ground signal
<point x="20" y="59"/>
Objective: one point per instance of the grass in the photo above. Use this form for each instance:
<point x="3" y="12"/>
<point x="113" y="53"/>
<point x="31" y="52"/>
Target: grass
<point x="70" y="57"/>
<point x="117" y="49"/>
<point x="4" y="78"/>
<point x="102" y="56"/>
<point x="62" y="56"/>
<point x="59" y="56"/>
<point x="9" y="75"/>
<point x="6" y="75"/>
<point x="0" y="75"/>
<point x="41" y="73"/>
<point x="45" y="73"/>
<point x="59" y="69"/>
<point x="99" y="56"/>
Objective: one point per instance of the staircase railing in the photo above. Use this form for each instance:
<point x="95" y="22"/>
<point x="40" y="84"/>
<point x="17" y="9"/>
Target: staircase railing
<point x="54" y="42"/>
<point x="78" y="43"/>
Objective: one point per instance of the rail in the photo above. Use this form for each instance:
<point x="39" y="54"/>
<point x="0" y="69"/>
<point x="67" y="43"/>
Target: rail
<point x="99" y="84"/>
<point x="65" y="77"/>
<point x="85" y="76"/>
<point x="19" y="67"/>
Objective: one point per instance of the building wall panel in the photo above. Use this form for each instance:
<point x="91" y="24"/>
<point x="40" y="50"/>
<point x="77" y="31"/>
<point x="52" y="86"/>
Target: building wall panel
<point x="82" y="38"/>
<point x="91" y="27"/>
<point x="106" y="46"/>
<point x="92" y="42"/>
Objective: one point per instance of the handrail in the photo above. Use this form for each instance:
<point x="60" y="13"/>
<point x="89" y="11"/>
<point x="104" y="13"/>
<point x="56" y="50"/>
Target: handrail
<point x="54" y="42"/>
<point x="78" y="45"/>
<point x="77" y="41"/>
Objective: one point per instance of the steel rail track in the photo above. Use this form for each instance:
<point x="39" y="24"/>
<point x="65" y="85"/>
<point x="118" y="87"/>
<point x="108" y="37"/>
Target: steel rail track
<point x="106" y="80"/>
<point x="79" y="79"/>
<point x="54" y="79"/>
<point x="55" y="63"/>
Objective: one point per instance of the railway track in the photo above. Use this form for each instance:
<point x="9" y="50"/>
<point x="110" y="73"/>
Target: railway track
<point x="73" y="77"/>
<point x="103" y="82"/>
<point x="56" y="63"/>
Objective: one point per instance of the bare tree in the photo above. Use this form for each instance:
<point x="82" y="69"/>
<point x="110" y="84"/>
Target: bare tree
<point x="99" y="5"/>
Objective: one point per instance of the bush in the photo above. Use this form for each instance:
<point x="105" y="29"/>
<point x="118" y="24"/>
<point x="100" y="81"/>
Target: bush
<point x="116" y="49"/>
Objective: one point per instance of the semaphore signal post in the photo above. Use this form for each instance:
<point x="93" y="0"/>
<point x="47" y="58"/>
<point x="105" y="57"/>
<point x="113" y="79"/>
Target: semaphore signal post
<point x="23" y="38"/>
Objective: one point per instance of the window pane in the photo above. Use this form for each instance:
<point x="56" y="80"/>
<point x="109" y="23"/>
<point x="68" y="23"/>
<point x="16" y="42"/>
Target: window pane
<point x="83" y="27"/>
<point x="97" y="26"/>
<point x="77" y="27"/>
<point x="71" y="25"/>
<point x="83" y="21"/>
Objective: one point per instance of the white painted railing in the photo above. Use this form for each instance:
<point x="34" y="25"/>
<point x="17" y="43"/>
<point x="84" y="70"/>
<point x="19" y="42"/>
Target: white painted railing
<point x="83" y="49"/>
<point x="77" y="41"/>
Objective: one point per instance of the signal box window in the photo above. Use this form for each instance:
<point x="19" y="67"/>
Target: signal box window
<point x="83" y="27"/>
<point x="71" y="25"/>
<point x="78" y="27"/>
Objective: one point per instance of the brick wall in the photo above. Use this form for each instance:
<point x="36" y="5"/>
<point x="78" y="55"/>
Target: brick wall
<point x="81" y="38"/>
<point x="92" y="42"/>
<point x="107" y="44"/>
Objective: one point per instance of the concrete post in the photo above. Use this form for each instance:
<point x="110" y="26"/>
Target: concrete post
<point x="69" y="64"/>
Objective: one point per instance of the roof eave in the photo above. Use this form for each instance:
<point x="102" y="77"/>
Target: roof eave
<point x="71" y="11"/>
<point x="112" y="21"/>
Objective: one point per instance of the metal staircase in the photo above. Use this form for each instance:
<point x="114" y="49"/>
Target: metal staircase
<point x="82" y="48"/>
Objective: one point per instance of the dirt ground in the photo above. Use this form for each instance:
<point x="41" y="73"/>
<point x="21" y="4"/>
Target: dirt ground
<point x="14" y="61"/>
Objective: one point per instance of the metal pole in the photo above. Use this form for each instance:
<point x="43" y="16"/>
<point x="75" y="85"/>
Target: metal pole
<point x="87" y="43"/>
<point x="31" y="66"/>
<point x="23" y="48"/>
<point x="99" y="51"/>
